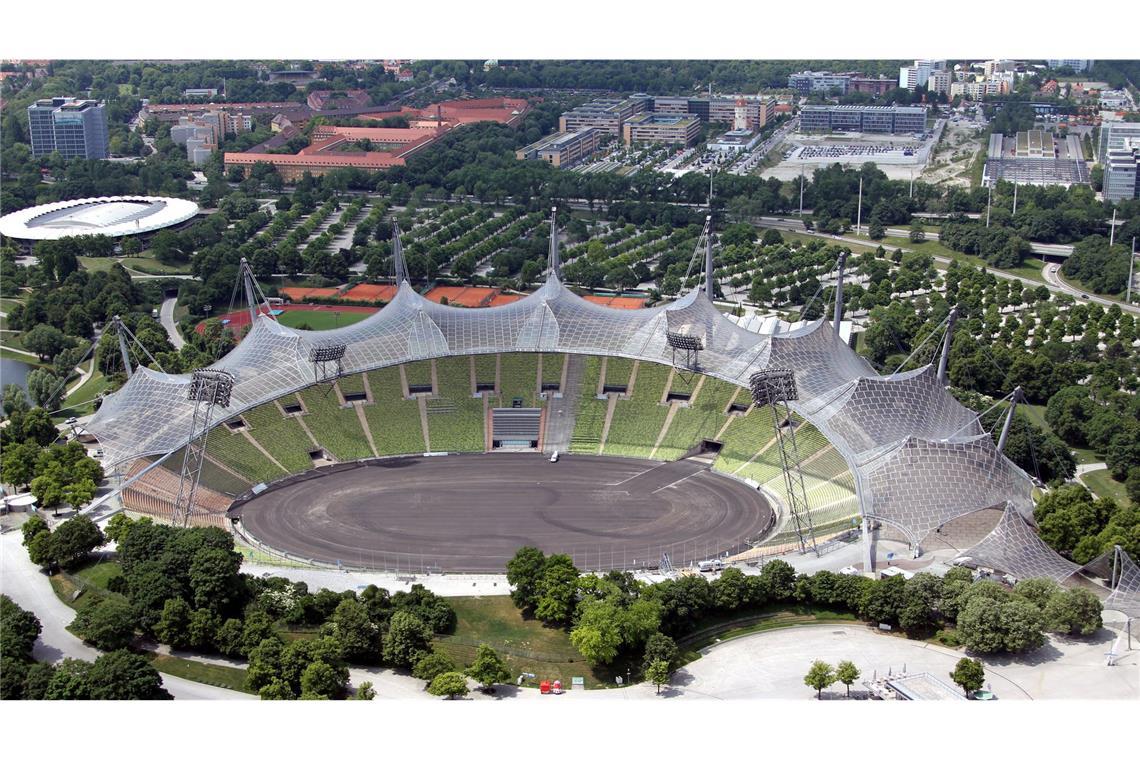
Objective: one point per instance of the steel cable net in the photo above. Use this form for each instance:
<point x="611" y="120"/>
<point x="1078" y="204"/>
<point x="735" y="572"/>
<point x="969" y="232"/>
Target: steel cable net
<point x="881" y="426"/>
<point x="1013" y="547"/>
<point x="1125" y="597"/>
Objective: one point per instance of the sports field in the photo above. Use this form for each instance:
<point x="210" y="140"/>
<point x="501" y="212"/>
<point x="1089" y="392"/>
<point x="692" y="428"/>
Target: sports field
<point x="325" y="319"/>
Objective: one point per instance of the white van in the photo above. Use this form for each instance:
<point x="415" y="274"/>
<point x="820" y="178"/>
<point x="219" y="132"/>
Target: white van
<point x="554" y="457"/>
<point x="710" y="566"/>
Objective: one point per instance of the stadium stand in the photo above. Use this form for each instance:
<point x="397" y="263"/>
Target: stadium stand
<point x="638" y="420"/>
<point x="418" y="373"/>
<point x="587" y="435"/>
<point x="702" y="418"/>
<point x="485" y="371"/>
<point x="283" y="437"/>
<point x="238" y="453"/>
<point x="336" y="428"/>
<point x="394" y="420"/>
<point x="518" y="378"/>
<point x="618" y="371"/>
<point x="552" y="368"/>
<point x="455" y="419"/>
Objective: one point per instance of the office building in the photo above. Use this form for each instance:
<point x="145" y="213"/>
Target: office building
<point x="607" y="115"/>
<point x="73" y="128"/>
<point x="1070" y="63"/>
<point x="998" y="66"/>
<point x="1113" y="133"/>
<point x="885" y="119"/>
<point x="757" y="110"/>
<point x="563" y="149"/>
<point x="661" y="128"/>
<point x="819" y="82"/>
<point x="1122" y="171"/>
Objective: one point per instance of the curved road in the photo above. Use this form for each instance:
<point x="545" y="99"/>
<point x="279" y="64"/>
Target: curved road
<point x="166" y="316"/>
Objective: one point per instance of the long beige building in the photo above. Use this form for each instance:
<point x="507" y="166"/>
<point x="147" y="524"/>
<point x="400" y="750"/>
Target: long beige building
<point x="563" y="149"/>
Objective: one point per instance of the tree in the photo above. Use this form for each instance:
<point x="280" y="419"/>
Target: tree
<point x="42" y="386"/>
<point x="173" y="625"/>
<point x="917" y="233"/>
<point x="1076" y="611"/>
<point x="321" y="681"/>
<point x="18" y="630"/>
<point x="658" y="673"/>
<point x="876" y="230"/>
<point x="969" y="674"/>
<point x="70" y="680"/>
<point x="74" y="540"/>
<point x="524" y="573"/>
<point x="45" y="341"/>
<point x="276" y="690"/>
<point x="357" y="634"/>
<point x="556" y="590"/>
<point x="661" y="647"/>
<point x="778" y="579"/>
<point x="988" y="625"/>
<point x="108" y="625"/>
<point x="214" y="578"/>
<point x="488" y="668"/>
<point x="407" y="640"/>
<point x="450" y="685"/>
<point x="431" y="665"/>
<point x="365" y="692"/>
<point x="18" y="463"/>
<point x="597" y="634"/>
<point x="124" y="675"/>
<point x="819" y="676"/>
<point x="846" y="673"/>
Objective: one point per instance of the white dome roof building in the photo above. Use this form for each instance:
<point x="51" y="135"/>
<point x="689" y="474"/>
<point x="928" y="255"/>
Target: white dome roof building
<point x="116" y="216"/>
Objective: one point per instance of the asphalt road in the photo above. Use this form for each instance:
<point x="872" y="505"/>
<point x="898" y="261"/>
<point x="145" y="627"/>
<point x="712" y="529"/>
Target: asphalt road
<point x="473" y="512"/>
<point x="166" y="316"/>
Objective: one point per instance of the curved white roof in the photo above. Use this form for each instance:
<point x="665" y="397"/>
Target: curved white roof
<point x="116" y="216"/>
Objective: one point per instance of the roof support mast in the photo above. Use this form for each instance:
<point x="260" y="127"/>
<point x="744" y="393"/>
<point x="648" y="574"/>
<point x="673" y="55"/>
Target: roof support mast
<point x="839" y="290"/>
<point x="1009" y="418"/>
<point x="945" y="360"/>
<point x="710" y="283"/>
<point x="555" y="258"/>
<point x="121" y="330"/>
<point x="399" y="265"/>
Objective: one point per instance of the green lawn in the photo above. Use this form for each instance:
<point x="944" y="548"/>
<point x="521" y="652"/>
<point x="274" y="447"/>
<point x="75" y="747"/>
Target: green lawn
<point x="222" y="676"/>
<point x="526" y="645"/>
<point x="99" y="574"/>
<point x="85" y="394"/>
<point x="321" y="320"/>
<point x="144" y="263"/>
<point x="1102" y="484"/>
<point x="5" y="353"/>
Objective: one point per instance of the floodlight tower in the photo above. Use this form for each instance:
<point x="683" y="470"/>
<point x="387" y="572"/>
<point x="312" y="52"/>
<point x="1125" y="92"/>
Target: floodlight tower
<point x="775" y="388"/>
<point x="327" y="361"/>
<point x="208" y="388"/>
<point x="690" y="347"/>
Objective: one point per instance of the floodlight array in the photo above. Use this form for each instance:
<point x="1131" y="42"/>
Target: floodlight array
<point x="211" y="386"/>
<point x="773" y="386"/>
<point x="683" y="342"/>
<point x="328" y="352"/>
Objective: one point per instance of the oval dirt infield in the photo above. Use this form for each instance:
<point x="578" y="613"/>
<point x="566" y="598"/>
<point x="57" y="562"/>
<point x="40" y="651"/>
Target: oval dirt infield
<point x="472" y="512"/>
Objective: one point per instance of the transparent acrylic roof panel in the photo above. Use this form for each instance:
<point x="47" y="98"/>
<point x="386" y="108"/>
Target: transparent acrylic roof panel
<point x="1013" y="547"/>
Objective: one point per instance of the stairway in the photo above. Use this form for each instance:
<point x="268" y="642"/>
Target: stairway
<point x="562" y="412"/>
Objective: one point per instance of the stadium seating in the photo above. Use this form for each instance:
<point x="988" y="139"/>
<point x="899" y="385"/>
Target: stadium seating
<point x="637" y="421"/>
<point x="236" y="452"/>
<point x="552" y="368"/>
<point x="418" y="373"/>
<point x="394" y="420"/>
<point x="455" y="419"/>
<point x="283" y="437"/>
<point x="587" y="435"/>
<point x="336" y="428"/>
<point x="518" y="379"/>
<point x="703" y="418"/>
<point x="618" y="370"/>
<point x="351" y="384"/>
<point x="485" y="369"/>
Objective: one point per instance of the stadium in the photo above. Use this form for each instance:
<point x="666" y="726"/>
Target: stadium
<point x="674" y="423"/>
<point x="116" y="216"/>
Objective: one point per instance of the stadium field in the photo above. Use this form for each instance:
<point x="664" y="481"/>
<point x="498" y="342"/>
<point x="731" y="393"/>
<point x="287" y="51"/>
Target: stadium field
<point x="325" y="319"/>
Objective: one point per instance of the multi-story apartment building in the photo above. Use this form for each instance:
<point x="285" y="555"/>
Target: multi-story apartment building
<point x="74" y="128"/>
<point x="919" y="74"/>
<point x="886" y="119"/>
<point x="661" y="128"/>
<point x="872" y="86"/>
<point x="563" y="149"/>
<point x="939" y="82"/>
